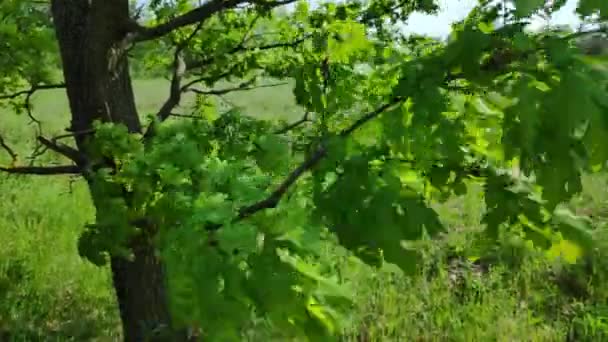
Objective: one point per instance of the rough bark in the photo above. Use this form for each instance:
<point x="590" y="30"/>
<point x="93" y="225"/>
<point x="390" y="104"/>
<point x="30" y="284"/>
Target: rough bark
<point x="99" y="87"/>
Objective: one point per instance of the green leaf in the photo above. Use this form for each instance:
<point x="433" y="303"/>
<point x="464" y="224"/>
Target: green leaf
<point x="589" y="7"/>
<point x="238" y="238"/>
<point x="378" y="217"/>
<point x="525" y="8"/>
<point x="273" y="153"/>
<point x="574" y="228"/>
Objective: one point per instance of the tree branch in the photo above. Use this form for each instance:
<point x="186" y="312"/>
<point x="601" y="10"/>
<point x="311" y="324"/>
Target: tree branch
<point x="32" y="90"/>
<point x="28" y="93"/>
<point x="180" y="68"/>
<point x="369" y="116"/>
<point x="28" y="109"/>
<point x="179" y="71"/>
<point x="242" y="48"/>
<point x="250" y="28"/>
<point x="175" y="91"/>
<point x="199" y="14"/>
<point x="186" y="116"/>
<point x="8" y="149"/>
<point x="175" y="96"/>
<point x="42" y="170"/>
<point x="73" y="134"/>
<point x="239" y="48"/>
<point x="241" y="87"/>
<point x="64" y="150"/>
<point x="321" y="152"/>
<point x="294" y="124"/>
<point x="209" y="78"/>
<point x="274" y="198"/>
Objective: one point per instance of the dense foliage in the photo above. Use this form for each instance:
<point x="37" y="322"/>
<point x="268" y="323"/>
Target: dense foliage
<point x="242" y="207"/>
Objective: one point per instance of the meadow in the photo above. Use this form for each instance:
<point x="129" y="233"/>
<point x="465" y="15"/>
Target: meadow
<point x="508" y="293"/>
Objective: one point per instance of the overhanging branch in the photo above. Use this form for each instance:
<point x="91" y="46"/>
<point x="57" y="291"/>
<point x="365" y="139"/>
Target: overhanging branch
<point x="239" y="48"/>
<point x="209" y="78"/>
<point x="242" y="48"/>
<point x="273" y="200"/>
<point x="197" y="15"/>
<point x="31" y="90"/>
<point x="241" y="87"/>
<point x="42" y="170"/>
<point x="371" y="115"/>
<point x="321" y="152"/>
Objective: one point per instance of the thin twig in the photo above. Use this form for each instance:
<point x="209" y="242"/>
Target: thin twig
<point x="294" y="124"/>
<point x="28" y="109"/>
<point x="32" y="90"/>
<point x="228" y="102"/>
<point x="242" y="87"/>
<point x="369" y="116"/>
<point x="250" y="28"/>
<point x="243" y="48"/>
<point x="8" y="149"/>
<point x="39" y="150"/>
<point x="208" y="79"/>
<point x="186" y="116"/>
<point x="239" y="48"/>
<point x="27" y="104"/>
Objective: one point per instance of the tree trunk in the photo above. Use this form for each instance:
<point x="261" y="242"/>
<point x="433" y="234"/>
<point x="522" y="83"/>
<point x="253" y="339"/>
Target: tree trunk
<point x="98" y="82"/>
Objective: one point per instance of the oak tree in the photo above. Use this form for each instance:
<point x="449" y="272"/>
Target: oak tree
<point x="208" y="218"/>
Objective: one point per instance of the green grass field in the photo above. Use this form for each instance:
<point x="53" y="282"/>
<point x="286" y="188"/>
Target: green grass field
<point x="48" y="293"/>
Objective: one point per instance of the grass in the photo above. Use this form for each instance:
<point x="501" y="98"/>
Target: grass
<point x="266" y="103"/>
<point x="46" y="290"/>
<point x="48" y="293"/>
